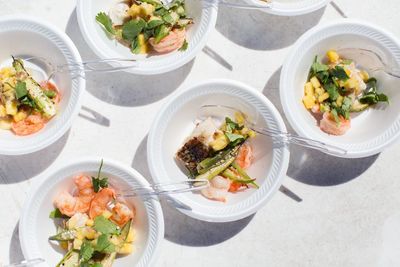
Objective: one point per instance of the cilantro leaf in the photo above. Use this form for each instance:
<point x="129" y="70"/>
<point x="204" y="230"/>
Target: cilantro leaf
<point x="56" y="213"/>
<point x="104" y="245"/>
<point x="86" y="252"/>
<point x="339" y="73"/>
<point x="335" y="116"/>
<point x="98" y="182"/>
<point x="131" y="29"/>
<point x="318" y="66"/>
<point x="105" y="226"/>
<point x="231" y="125"/>
<point x="20" y="90"/>
<point x="106" y="22"/>
<point x="154" y="23"/>
<point x="184" y="46"/>
<point x="332" y="91"/>
<point x="135" y="46"/>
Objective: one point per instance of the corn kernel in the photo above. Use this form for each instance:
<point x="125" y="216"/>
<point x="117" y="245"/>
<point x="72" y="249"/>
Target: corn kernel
<point x="131" y="236"/>
<point x="11" y="107"/>
<point x="339" y="101"/>
<point x="309" y="101"/>
<point x="252" y="134"/>
<point x="89" y="222"/>
<point x="333" y="56"/>
<point x="21" y="115"/>
<point x="308" y="89"/>
<point x="64" y="245"/>
<point x="126" y="249"/>
<point x="351" y="83"/>
<point x="107" y="214"/>
<point x="5" y="124"/>
<point x="319" y="91"/>
<point x="144" y="48"/>
<point x="3" y="112"/>
<point x="315" y="82"/>
<point x="323" y="97"/>
<point x="364" y="75"/>
<point x="77" y="244"/>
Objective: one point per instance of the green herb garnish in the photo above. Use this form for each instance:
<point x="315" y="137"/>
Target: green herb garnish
<point x="131" y="29"/>
<point x="104" y="245"/>
<point x="105" y="226"/>
<point x="106" y="22"/>
<point x="99" y="182"/>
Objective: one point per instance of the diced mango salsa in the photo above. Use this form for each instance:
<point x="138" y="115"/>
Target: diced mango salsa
<point x="364" y="74"/>
<point x="131" y="236"/>
<point x="308" y="89"/>
<point x="77" y="244"/>
<point x="21" y="115"/>
<point x="315" y="82"/>
<point x="11" y="108"/>
<point x="332" y="56"/>
<point x="309" y="101"/>
<point x="3" y="112"/>
<point x="323" y="97"/>
<point x="144" y="48"/>
<point x="126" y="248"/>
<point x="339" y="101"/>
<point x="5" y="124"/>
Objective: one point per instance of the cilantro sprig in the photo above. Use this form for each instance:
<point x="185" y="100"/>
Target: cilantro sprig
<point x="99" y="182"/>
<point x="106" y="22"/>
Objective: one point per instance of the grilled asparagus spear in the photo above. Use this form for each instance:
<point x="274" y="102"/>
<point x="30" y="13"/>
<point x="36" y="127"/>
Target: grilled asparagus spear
<point x="35" y="92"/>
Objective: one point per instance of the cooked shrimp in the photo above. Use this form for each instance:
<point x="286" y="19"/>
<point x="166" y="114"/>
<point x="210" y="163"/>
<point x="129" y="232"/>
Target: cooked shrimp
<point x="49" y="86"/>
<point x="245" y="156"/>
<point x="174" y="40"/>
<point x="330" y="126"/>
<point x="66" y="203"/>
<point x="218" y="189"/>
<point x="85" y="193"/>
<point x="121" y="214"/>
<point x="100" y="201"/>
<point x="69" y="204"/>
<point x="30" y="125"/>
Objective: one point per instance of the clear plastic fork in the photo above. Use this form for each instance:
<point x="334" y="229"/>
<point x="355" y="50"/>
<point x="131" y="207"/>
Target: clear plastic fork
<point x="77" y="68"/>
<point x="282" y="137"/>
<point x="264" y="4"/>
<point x="370" y="59"/>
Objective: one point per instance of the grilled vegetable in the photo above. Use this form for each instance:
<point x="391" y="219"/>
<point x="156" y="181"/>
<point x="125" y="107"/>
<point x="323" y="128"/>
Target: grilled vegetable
<point x="64" y="235"/>
<point x="221" y="165"/>
<point x="35" y="92"/>
<point x="71" y="259"/>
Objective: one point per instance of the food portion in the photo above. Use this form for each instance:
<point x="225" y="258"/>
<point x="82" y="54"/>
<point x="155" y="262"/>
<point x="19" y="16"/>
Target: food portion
<point x="221" y="153"/>
<point x="93" y="226"/>
<point x="25" y="105"/>
<point x="336" y="89"/>
<point x="147" y="26"/>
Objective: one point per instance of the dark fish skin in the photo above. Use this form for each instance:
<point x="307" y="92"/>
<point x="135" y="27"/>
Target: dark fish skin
<point x="193" y="152"/>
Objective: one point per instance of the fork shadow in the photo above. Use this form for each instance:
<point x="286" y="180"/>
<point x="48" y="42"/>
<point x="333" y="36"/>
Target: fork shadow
<point x="125" y="89"/>
<point x="184" y="230"/>
<point x="310" y="166"/>
<point x="15" y="251"/>
<point x="15" y="169"/>
<point x="257" y="30"/>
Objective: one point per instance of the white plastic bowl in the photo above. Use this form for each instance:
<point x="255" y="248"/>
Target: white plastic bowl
<point x="372" y="130"/>
<point x="24" y="36"/>
<point x="292" y="7"/>
<point x="204" y="15"/>
<point x="175" y="122"/>
<point x="35" y="226"/>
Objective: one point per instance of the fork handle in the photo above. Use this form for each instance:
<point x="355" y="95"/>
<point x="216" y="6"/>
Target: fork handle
<point x="96" y="65"/>
<point x="166" y="188"/>
<point x="301" y="141"/>
<point x="245" y="6"/>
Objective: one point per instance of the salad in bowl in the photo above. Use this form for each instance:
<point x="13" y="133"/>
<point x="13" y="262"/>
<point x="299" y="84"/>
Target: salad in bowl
<point x="147" y="26"/>
<point x="195" y="135"/>
<point x="80" y="216"/>
<point x="153" y="37"/>
<point x="25" y="104"/>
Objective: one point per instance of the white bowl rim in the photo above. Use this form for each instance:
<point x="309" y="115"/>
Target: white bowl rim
<point x="46" y="176"/>
<point x="283" y="93"/>
<point x="153" y="71"/>
<point x="285" y="151"/>
<point x="281" y="11"/>
<point x="77" y="57"/>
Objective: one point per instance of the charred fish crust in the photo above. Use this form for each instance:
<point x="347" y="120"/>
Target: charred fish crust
<point x="193" y="152"/>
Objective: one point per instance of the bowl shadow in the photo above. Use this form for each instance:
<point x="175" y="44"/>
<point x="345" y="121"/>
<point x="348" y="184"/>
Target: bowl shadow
<point x="122" y="88"/>
<point x="257" y="30"/>
<point x="15" y="169"/>
<point x="182" y="229"/>
<point x="310" y="166"/>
